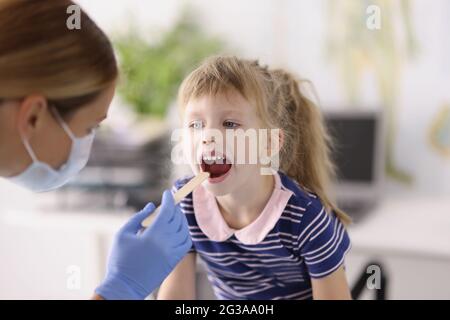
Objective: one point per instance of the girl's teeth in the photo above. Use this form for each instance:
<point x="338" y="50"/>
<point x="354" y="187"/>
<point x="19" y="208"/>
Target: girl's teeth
<point x="207" y="158"/>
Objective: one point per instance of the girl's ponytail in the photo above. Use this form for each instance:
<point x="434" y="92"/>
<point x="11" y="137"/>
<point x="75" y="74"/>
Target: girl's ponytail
<point x="305" y="155"/>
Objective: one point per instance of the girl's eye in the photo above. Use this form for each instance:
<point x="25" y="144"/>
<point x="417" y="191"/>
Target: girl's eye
<point x="230" y="124"/>
<point x="196" y="125"/>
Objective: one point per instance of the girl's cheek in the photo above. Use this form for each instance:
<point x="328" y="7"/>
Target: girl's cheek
<point x="195" y="149"/>
<point x="188" y="149"/>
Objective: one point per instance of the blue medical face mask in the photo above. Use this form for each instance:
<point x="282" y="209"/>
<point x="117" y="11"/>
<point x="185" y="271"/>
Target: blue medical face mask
<point x="41" y="177"/>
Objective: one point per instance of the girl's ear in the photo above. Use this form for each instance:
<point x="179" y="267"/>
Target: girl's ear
<point x="281" y="140"/>
<point x="273" y="142"/>
<point x="276" y="139"/>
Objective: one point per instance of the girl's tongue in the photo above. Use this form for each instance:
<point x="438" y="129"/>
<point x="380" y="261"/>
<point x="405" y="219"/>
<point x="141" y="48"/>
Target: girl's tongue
<point x="216" y="170"/>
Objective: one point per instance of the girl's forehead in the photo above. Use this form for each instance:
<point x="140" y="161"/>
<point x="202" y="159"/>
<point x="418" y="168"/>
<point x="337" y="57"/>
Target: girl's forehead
<point x="220" y="104"/>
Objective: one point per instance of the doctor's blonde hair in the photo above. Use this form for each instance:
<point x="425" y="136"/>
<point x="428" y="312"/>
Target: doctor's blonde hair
<point x="40" y="55"/>
<point x="305" y="152"/>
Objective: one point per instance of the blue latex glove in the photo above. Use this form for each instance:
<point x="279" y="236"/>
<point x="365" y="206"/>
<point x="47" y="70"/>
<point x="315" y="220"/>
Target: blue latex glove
<point x="140" y="261"/>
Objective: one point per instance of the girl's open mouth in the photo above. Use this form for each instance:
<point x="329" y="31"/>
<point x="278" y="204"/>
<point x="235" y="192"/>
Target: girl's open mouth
<point x="217" y="166"/>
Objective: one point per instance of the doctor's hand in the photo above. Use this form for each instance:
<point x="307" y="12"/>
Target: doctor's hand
<point x="141" y="259"/>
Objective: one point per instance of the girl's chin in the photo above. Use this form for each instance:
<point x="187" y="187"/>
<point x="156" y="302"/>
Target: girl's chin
<point x="217" y="192"/>
<point x="221" y="185"/>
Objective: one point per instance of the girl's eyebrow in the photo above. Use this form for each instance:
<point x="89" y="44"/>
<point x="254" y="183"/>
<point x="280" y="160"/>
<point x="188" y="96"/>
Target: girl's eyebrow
<point x="220" y="111"/>
<point x="192" y="115"/>
<point x="232" y="112"/>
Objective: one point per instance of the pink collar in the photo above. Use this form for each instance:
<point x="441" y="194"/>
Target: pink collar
<point x="213" y="225"/>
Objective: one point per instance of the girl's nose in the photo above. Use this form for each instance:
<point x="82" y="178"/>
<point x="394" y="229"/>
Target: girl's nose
<point x="208" y="140"/>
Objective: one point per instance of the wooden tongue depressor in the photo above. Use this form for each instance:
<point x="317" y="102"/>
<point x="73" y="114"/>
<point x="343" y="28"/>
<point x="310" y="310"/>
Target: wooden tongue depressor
<point x="179" y="195"/>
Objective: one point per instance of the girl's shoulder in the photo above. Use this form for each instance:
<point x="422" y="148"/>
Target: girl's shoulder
<point x="305" y="203"/>
<point x="319" y="236"/>
<point x="301" y="197"/>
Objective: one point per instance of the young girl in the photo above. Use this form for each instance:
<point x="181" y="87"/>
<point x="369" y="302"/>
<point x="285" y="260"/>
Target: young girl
<point x="261" y="236"/>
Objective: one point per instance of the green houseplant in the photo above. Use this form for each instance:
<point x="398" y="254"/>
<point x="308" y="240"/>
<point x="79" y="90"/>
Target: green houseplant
<point x="151" y="73"/>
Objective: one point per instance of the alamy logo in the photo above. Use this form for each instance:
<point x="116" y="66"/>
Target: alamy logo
<point x="374" y="280"/>
<point x="73" y="281"/>
<point x="238" y="146"/>
<point x="373" y="21"/>
<point x="73" y="22"/>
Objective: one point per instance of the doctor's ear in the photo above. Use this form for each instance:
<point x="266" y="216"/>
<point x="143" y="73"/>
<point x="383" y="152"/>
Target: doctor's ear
<point x="32" y="115"/>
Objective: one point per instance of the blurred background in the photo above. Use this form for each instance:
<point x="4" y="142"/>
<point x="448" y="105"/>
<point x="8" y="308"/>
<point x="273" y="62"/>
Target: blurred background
<point x="381" y="71"/>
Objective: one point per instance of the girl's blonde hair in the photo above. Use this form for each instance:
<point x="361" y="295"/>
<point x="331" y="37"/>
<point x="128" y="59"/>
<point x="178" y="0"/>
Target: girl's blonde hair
<point x="40" y="55"/>
<point x="305" y="152"/>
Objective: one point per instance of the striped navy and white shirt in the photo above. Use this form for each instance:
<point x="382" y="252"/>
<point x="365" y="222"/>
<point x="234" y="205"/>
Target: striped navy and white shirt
<point x="293" y="240"/>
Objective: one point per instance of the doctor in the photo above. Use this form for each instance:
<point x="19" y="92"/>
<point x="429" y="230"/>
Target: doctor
<point x="56" y="86"/>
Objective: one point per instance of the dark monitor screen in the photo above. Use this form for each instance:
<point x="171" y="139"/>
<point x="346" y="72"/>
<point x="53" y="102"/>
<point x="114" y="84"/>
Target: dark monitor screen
<point x="354" y="146"/>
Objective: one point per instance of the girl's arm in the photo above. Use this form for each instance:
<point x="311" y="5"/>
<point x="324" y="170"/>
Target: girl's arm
<point x="331" y="287"/>
<point x="180" y="284"/>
